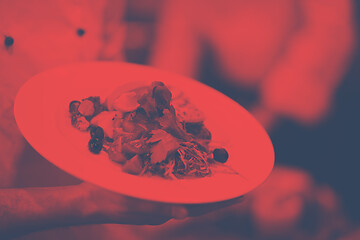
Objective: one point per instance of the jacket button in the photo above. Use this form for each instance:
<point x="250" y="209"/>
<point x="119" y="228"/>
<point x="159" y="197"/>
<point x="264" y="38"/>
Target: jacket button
<point x="80" y="32"/>
<point x="9" y="41"/>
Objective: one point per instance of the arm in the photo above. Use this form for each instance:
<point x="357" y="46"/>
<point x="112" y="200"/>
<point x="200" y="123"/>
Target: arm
<point x="177" y="46"/>
<point x="301" y="84"/>
<point x="34" y="209"/>
<point x="113" y="31"/>
<point x="11" y="140"/>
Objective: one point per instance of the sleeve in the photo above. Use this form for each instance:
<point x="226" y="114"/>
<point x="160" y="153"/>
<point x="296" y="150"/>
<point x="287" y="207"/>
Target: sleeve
<point x="11" y="140"/>
<point x="113" y="33"/>
<point x="302" y="83"/>
<point x="177" y="45"/>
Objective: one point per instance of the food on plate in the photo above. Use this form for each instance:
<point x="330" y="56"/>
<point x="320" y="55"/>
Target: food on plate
<point x="149" y="130"/>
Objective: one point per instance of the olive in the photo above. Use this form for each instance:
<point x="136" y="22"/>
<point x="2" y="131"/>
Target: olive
<point x="97" y="133"/>
<point x="73" y="107"/>
<point x="95" y="145"/>
<point x="220" y="155"/>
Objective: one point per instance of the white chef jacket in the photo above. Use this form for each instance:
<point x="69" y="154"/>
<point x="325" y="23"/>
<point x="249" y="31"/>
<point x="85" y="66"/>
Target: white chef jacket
<point x="34" y="36"/>
<point x="44" y="34"/>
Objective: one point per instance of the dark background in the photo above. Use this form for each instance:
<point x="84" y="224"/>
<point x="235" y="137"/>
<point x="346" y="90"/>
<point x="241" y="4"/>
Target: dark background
<point x="330" y="151"/>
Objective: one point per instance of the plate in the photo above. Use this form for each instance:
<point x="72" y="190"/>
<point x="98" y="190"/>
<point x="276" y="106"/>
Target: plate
<point x="41" y="109"/>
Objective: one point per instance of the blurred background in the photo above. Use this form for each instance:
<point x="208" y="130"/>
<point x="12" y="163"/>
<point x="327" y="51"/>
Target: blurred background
<point x="210" y="38"/>
<point x="293" y="64"/>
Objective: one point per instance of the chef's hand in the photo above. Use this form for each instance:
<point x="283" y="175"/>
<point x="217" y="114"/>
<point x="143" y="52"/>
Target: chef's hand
<point x="26" y="210"/>
<point x="106" y="206"/>
<point x="117" y="208"/>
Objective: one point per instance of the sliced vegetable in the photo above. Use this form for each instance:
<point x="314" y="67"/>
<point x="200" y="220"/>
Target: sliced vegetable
<point x="86" y="108"/>
<point x="133" y="166"/>
<point x="115" y="152"/>
<point x="81" y="123"/>
<point x="126" y="102"/>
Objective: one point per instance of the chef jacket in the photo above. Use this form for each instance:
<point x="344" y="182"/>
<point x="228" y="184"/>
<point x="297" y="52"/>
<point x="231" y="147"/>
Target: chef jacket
<point x="34" y="36"/>
<point x="37" y="35"/>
